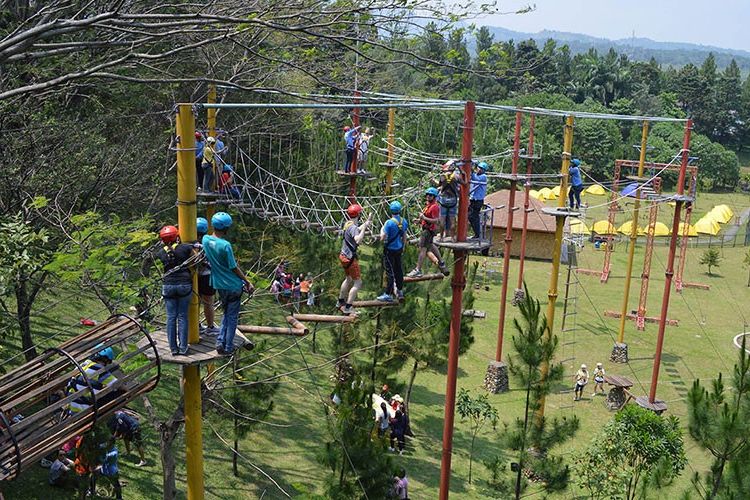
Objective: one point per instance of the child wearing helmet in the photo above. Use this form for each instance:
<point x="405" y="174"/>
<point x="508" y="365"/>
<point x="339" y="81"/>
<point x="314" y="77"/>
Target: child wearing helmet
<point x="227" y="278"/>
<point x="477" y="193"/>
<point x="226" y="182"/>
<point x="209" y="164"/>
<point x="393" y="233"/>
<point x="177" y="287"/>
<point x="576" y="183"/>
<point x="428" y="219"/>
<point x="581" y="378"/>
<point x="205" y="290"/>
<point x="353" y="236"/>
<point x="449" y="184"/>
<point x="363" y="150"/>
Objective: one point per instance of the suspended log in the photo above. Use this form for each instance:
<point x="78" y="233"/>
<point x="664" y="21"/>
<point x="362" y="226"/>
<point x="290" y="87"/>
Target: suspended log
<point x="324" y="318"/>
<point x="270" y="330"/>
<point x="35" y="401"/>
<point x="374" y="303"/>
<point x="424" y="277"/>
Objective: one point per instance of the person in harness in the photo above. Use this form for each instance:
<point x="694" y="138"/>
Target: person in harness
<point x="100" y="376"/>
<point x="393" y="234"/>
<point x="177" y="287"/>
<point x="477" y="193"/>
<point x="353" y="236"/>
<point x="449" y="183"/>
<point x="429" y="219"/>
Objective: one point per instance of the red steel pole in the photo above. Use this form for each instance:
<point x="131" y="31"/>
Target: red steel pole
<point x="353" y="167"/>
<point x="457" y="285"/>
<point x="670" y="260"/>
<point x="527" y="186"/>
<point x="508" y="237"/>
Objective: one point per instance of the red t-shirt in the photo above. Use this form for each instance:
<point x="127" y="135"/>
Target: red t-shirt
<point x="431" y="211"/>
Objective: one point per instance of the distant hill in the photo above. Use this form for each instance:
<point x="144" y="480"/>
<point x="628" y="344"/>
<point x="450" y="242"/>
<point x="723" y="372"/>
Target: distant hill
<point x="639" y="49"/>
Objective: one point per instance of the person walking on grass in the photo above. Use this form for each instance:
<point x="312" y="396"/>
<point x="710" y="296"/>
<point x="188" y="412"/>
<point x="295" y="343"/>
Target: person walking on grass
<point x="429" y="219"/>
<point x="398" y="432"/>
<point x="128" y="428"/>
<point x="599" y="379"/>
<point x="227" y="278"/>
<point x="393" y="234"/>
<point x="576" y="183"/>
<point x="581" y="378"/>
<point x="177" y="287"/>
<point x="348" y="257"/>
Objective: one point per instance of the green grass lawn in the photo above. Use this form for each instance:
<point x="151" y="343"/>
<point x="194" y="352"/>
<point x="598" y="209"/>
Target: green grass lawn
<point x="285" y="446"/>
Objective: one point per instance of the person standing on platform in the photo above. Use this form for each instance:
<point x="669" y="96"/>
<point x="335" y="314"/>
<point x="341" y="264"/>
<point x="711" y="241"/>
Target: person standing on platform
<point x="199" y="145"/>
<point x="363" y="150"/>
<point x="227" y="278"/>
<point x="576" y="183"/>
<point x="350" y="138"/>
<point x="393" y="234"/>
<point x="449" y="185"/>
<point x="205" y="291"/>
<point x="353" y="236"/>
<point x="429" y="219"/>
<point x="177" y="287"/>
<point x="209" y="164"/>
<point x="477" y="193"/>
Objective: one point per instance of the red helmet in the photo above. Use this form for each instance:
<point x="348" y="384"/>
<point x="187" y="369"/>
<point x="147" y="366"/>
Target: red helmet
<point x="354" y="210"/>
<point x="347" y="129"/>
<point x="198" y="135"/>
<point x="169" y="234"/>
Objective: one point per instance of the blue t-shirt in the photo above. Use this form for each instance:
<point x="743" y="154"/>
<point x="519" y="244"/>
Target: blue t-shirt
<point x="349" y="138"/>
<point x="478" y="187"/>
<point x="199" y="145"/>
<point x="574" y="174"/>
<point x="393" y="239"/>
<point x="219" y="254"/>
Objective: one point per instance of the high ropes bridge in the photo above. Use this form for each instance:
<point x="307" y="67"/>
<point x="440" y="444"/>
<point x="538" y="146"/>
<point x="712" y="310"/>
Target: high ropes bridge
<point x="273" y="197"/>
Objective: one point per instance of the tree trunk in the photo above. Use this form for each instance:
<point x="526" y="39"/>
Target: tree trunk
<point x="717" y="481"/>
<point x="411" y="384"/>
<point x="471" y="453"/>
<point x="523" y="438"/>
<point x="748" y="278"/>
<point x="24" y="302"/>
<point x="167" y="433"/>
<point x="235" y="450"/>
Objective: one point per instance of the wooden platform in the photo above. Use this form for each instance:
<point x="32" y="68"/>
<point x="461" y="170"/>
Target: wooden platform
<point x="560" y="212"/>
<point x="424" y="277"/>
<point x="467" y="246"/>
<point x="657" y="406"/>
<point x="699" y="286"/>
<point x="647" y="319"/>
<point x="681" y="197"/>
<point x="363" y="175"/>
<point x="203" y="352"/>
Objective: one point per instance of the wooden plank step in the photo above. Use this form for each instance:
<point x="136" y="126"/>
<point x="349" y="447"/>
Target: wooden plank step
<point x="424" y="277"/>
<point x="324" y="318"/>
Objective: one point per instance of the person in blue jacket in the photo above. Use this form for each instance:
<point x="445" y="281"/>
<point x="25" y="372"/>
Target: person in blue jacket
<point x="477" y="193"/>
<point x="350" y="138"/>
<point x="393" y="234"/>
<point x="576" y="183"/>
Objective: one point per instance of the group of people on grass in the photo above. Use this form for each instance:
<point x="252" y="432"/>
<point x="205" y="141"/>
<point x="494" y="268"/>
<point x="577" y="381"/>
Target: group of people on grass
<point x="213" y="174"/>
<point x="290" y="290"/>
<point x="391" y="415"/>
<point x="582" y="379"/>
<point x="219" y="273"/>
<point x="356" y="145"/>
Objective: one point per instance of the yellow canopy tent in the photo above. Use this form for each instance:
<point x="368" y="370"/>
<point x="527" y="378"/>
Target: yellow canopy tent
<point x="596" y="190"/>
<point x="660" y="229"/>
<point x="721" y="214"/>
<point x="533" y="193"/>
<point x="603" y="227"/>
<point x="554" y="193"/>
<point x="577" y="226"/>
<point x="707" y="225"/>
<point x="626" y="227"/>
<point x="691" y="229"/>
<point x="546" y="192"/>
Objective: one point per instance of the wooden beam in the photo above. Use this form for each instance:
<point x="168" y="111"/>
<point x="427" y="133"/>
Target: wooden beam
<point x="374" y="303"/>
<point x="424" y="277"/>
<point x="324" y="318"/>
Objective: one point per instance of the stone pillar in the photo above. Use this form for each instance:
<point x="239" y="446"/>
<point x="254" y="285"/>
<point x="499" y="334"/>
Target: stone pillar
<point x="518" y="296"/>
<point x="619" y="353"/>
<point x="496" y="379"/>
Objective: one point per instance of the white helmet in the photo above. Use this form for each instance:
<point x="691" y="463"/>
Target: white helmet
<point x="583" y="367"/>
<point x="211" y="140"/>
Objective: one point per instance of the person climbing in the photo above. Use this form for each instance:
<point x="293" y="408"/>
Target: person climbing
<point x="177" y="287"/>
<point x="581" y="378"/>
<point x="199" y="145"/>
<point x="205" y="291"/>
<point x="128" y="428"/>
<point x="99" y="375"/>
<point x="393" y="234"/>
<point x="398" y="432"/>
<point x="362" y="150"/>
<point x="350" y="139"/>
<point x="429" y="219"/>
<point x="226" y="182"/>
<point x="477" y="192"/>
<point x="576" y="183"/>
<point x="353" y="236"/>
<point x="227" y="278"/>
<point x="599" y="378"/>
<point x="209" y="164"/>
<point x="449" y="184"/>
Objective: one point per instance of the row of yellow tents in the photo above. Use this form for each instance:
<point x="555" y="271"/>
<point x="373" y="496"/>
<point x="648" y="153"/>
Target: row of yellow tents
<point x="546" y="193"/>
<point x="708" y="224"/>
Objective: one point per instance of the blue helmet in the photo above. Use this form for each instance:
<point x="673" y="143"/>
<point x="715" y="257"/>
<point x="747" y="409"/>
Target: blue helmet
<point x="432" y="191"/>
<point x="484" y="166"/>
<point x="395" y="207"/>
<point x="227" y="168"/>
<point x="576" y="162"/>
<point x="106" y="353"/>
<point x="201" y="225"/>
<point x="221" y="221"/>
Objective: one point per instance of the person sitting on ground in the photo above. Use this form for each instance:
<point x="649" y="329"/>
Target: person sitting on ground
<point x="227" y="278"/>
<point x="581" y="378"/>
<point x="576" y="183"/>
<point x="477" y="193"/>
<point x="429" y="219"/>
<point x="353" y="236"/>
<point x="209" y="164"/>
<point x="58" y="471"/>
<point x="393" y="234"/>
<point x="599" y="378"/>
<point x="383" y="419"/>
<point x="350" y="138"/>
<point x="205" y="291"/>
<point x="449" y="184"/>
<point x="362" y="150"/>
<point x="128" y="428"/>
<point x="398" y="430"/>
<point x="177" y="287"/>
<point x="199" y="145"/>
<point x="226" y="182"/>
<point x="401" y="485"/>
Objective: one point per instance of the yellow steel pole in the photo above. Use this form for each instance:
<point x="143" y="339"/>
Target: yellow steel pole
<point x="559" y="224"/>
<point x="186" y="215"/>
<point x="633" y="237"/>
<point x="210" y="207"/>
<point x="391" y="139"/>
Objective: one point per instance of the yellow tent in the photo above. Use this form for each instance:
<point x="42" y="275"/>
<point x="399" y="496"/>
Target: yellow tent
<point x="627" y="227"/>
<point x="660" y="229"/>
<point x="554" y="193"/>
<point x="536" y="195"/>
<point x="721" y="214"/>
<point x="577" y="226"/>
<point x="603" y="227"/>
<point x="545" y="194"/>
<point x="691" y="229"/>
<point x="596" y="190"/>
<point x="707" y="225"/>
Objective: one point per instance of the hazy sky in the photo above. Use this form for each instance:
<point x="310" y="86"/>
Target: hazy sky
<point x="723" y="23"/>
